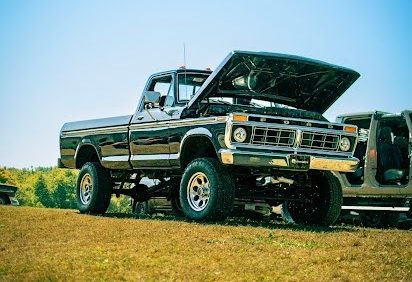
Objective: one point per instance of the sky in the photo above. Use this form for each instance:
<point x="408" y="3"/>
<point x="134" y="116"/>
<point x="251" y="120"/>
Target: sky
<point x="73" y="60"/>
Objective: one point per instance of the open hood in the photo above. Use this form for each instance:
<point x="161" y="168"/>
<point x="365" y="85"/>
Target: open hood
<point x="289" y="80"/>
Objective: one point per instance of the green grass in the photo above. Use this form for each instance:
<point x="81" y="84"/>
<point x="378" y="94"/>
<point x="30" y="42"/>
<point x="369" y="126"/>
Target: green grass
<point x="50" y="244"/>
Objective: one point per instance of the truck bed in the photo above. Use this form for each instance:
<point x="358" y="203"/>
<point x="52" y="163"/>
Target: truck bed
<point x="96" y="123"/>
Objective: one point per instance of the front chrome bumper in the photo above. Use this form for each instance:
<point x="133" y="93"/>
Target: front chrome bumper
<point x="287" y="161"/>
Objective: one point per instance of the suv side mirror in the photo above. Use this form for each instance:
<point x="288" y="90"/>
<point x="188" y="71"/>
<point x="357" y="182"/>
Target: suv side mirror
<point x="151" y="99"/>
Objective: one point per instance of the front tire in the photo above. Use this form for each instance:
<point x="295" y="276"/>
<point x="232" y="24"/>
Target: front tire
<point x="93" y="189"/>
<point x="324" y="206"/>
<point x="207" y="191"/>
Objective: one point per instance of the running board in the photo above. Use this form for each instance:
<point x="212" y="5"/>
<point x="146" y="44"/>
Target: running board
<point x="369" y="208"/>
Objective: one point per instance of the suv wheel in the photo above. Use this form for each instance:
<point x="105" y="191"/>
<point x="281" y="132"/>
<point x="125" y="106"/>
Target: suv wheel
<point x="324" y="206"/>
<point x="93" y="189"/>
<point x="207" y="191"/>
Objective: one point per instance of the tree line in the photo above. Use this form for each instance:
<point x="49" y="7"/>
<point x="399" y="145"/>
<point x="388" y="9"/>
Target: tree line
<point x="51" y="187"/>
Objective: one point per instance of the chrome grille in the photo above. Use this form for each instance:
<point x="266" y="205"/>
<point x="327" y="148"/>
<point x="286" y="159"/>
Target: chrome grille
<point x="319" y="141"/>
<point x="273" y="136"/>
<point x="282" y="137"/>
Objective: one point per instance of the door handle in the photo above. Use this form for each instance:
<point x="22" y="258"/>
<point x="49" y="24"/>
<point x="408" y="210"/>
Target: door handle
<point x="140" y="117"/>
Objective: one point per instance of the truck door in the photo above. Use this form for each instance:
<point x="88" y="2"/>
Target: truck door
<point x="363" y="122"/>
<point x="405" y="145"/>
<point x="148" y="135"/>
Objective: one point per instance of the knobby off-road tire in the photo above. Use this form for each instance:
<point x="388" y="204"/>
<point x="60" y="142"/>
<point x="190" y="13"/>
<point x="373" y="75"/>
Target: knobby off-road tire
<point x="207" y="190"/>
<point x="326" y="202"/>
<point x="93" y="189"/>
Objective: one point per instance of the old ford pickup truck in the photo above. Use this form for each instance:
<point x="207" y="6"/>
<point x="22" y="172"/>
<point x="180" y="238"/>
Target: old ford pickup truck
<point x="251" y="129"/>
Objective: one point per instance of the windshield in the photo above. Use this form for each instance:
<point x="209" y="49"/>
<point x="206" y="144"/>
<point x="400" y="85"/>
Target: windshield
<point x="256" y="103"/>
<point x="189" y="84"/>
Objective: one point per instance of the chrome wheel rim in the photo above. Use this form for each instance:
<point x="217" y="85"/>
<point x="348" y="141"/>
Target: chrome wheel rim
<point x="198" y="191"/>
<point x="86" y="189"/>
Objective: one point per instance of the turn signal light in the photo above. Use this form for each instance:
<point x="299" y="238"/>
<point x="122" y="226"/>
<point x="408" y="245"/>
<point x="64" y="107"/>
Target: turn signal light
<point x="350" y="129"/>
<point x="240" y="118"/>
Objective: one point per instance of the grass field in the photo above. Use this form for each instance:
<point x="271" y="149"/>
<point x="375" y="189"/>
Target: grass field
<point x="49" y="244"/>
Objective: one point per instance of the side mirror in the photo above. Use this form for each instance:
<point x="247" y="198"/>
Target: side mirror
<point x="151" y="99"/>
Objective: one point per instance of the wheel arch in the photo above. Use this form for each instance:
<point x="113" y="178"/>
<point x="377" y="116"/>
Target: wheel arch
<point x="86" y="152"/>
<point x="195" y="144"/>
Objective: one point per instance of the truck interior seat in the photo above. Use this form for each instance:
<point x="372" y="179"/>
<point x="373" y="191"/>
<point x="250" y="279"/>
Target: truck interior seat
<point x="402" y="143"/>
<point x="389" y="159"/>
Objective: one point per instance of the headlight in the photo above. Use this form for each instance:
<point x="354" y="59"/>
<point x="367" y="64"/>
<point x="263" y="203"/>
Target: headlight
<point x="344" y="144"/>
<point x="240" y="134"/>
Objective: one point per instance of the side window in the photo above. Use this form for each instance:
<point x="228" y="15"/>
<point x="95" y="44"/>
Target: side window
<point x="163" y="85"/>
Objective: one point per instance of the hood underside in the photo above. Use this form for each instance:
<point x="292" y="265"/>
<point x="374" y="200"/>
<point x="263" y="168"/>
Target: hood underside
<point x="289" y="80"/>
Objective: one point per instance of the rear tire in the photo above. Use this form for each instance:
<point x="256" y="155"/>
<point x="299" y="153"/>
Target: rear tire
<point x="93" y="189"/>
<point x="325" y="206"/>
<point x="207" y="191"/>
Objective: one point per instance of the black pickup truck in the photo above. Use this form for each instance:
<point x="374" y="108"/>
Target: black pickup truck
<point x="251" y="129"/>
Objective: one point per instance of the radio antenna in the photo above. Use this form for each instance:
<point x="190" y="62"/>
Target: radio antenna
<point x="184" y="64"/>
<point x="184" y="54"/>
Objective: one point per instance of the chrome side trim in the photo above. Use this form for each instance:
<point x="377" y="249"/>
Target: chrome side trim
<point x="95" y="131"/>
<point x="153" y="157"/>
<point x="150" y="125"/>
<point x="116" y="159"/>
<point x="368" y="208"/>
<point x="147" y="126"/>
<point x="179" y="123"/>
